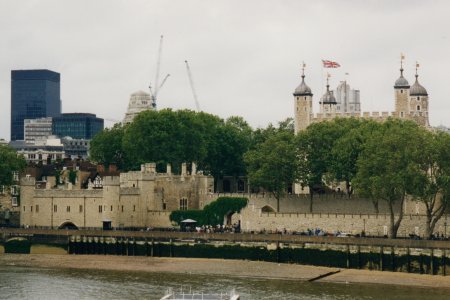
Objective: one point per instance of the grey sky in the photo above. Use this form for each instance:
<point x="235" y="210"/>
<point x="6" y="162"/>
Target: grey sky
<point x="245" y="56"/>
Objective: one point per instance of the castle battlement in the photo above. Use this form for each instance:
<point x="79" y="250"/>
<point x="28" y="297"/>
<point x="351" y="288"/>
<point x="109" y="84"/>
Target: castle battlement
<point x="375" y="115"/>
<point x="411" y="103"/>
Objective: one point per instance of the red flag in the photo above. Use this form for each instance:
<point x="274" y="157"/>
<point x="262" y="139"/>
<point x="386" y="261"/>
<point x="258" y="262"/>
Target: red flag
<point x="330" y="64"/>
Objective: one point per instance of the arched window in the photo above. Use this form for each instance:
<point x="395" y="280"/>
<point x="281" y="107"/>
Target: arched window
<point x="418" y="107"/>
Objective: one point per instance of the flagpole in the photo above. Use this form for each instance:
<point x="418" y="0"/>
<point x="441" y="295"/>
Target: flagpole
<point x="322" y="77"/>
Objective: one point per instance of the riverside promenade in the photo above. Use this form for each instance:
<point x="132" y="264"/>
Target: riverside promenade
<point x="61" y="235"/>
<point x="380" y="254"/>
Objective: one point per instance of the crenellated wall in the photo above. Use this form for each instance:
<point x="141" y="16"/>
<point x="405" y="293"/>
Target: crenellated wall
<point x="128" y="200"/>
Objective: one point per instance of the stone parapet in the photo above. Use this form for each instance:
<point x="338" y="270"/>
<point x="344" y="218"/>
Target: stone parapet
<point x="68" y="193"/>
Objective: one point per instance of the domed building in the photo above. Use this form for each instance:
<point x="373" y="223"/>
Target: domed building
<point x="139" y="102"/>
<point x="328" y="101"/>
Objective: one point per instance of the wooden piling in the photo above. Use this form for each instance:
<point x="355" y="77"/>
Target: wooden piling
<point x="381" y="258"/>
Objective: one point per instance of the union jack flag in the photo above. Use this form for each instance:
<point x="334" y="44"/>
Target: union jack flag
<point x="330" y="64"/>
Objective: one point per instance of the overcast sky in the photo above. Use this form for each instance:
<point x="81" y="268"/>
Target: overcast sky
<point x="245" y="56"/>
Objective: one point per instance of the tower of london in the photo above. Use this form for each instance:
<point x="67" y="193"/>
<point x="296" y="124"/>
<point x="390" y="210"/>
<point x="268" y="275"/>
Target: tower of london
<point x="411" y="103"/>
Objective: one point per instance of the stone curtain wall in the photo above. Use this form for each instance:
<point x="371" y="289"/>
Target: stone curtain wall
<point x="159" y="219"/>
<point x="374" y="225"/>
<point x="322" y="204"/>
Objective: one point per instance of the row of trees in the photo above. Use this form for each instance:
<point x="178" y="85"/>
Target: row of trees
<point x="167" y="136"/>
<point x="387" y="161"/>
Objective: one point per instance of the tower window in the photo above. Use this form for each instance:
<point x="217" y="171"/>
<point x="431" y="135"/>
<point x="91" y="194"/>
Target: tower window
<point x="305" y="98"/>
<point x="418" y="107"/>
<point x="183" y="204"/>
<point x="401" y="91"/>
<point x="418" y="98"/>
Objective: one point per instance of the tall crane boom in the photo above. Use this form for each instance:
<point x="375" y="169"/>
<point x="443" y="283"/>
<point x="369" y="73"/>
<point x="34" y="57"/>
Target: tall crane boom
<point x="154" y="92"/>
<point x="158" y="65"/>
<point x="191" y="81"/>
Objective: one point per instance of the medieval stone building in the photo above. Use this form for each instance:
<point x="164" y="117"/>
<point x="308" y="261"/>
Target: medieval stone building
<point x="411" y="103"/>
<point x="137" y="199"/>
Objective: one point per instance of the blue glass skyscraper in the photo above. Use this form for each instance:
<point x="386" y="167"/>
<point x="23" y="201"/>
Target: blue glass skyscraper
<point x="34" y="94"/>
<point x="77" y="125"/>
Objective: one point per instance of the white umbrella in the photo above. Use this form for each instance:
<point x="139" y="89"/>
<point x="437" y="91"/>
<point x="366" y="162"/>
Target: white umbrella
<point x="188" y="221"/>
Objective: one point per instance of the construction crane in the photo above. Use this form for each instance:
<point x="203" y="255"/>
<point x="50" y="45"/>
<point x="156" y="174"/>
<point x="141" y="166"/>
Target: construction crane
<point x="191" y="81"/>
<point x="157" y="86"/>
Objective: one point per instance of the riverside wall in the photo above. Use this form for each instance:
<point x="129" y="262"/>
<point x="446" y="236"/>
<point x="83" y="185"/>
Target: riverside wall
<point x="371" y="224"/>
<point x="331" y="213"/>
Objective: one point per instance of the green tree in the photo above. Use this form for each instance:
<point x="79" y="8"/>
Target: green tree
<point x="315" y="152"/>
<point x="346" y="150"/>
<point x="72" y="176"/>
<point x="226" y="148"/>
<point x="272" y="164"/>
<point x="385" y="166"/>
<point x="168" y="136"/>
<point x="213" y="213"/>
<point x="431" y="177"/>
<point x="10" y="162"/>
<point x="106" y="147"/>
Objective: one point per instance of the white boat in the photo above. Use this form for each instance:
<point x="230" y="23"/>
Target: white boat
<point x="182" y="295"/>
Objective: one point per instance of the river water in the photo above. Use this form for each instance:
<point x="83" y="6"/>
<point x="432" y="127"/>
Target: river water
<point x="40" y="283"/>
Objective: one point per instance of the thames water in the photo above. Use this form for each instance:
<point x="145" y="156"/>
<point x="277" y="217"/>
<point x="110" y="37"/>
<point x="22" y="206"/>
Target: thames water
<point x="42" y="283"/>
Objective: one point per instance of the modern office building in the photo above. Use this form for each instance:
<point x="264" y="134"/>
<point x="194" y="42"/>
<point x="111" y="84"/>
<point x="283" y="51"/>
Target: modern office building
<point x="34" y="94"/>
<point x="77" y="125"/>
<point x="37" y="129"/>
<point x="347" y="99"/>
<point x="41" y="153"/>
<point x="76" y="148"/>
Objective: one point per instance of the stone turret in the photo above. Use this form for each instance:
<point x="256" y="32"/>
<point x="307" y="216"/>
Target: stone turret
<point x="302" y="104"/>
<point x="418" y="102"/>
<point x="401" y="88"/>
<point x="328" y="101"/>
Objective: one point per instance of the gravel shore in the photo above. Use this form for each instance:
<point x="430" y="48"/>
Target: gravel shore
<point x="240" y="268"/>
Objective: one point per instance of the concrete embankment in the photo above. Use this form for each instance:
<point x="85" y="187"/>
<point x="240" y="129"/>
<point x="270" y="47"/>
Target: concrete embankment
<point x="219" y="267"/>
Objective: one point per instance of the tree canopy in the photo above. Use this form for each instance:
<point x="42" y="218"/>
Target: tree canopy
<point x="173" y="137"/>
<point x="213" y="213"/>
<point x="272" y="164"/>
<point x="386" y="165"/>
<point x="9" y="162"/>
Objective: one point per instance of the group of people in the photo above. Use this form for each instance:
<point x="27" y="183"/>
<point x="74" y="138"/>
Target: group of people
<point x="235" y="228"/>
